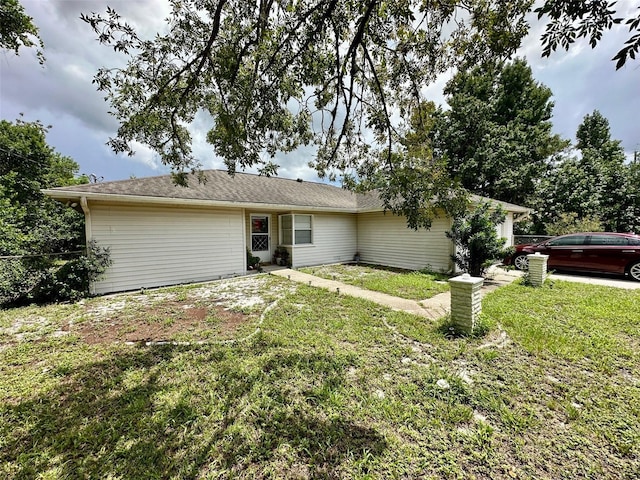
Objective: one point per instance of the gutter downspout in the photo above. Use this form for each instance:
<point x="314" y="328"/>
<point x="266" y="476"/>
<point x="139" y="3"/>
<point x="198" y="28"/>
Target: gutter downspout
<point x="244" y="241"/>
<point x="87" y="220"/>
<point x="87" y="232"/>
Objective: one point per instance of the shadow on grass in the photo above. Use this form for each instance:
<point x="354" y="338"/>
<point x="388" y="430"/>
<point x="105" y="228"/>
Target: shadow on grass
<point x="108" y="419"/>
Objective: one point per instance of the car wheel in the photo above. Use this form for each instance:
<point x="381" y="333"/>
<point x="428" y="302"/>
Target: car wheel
<point x="521" y="262"/>
<point x="634" y="271"/>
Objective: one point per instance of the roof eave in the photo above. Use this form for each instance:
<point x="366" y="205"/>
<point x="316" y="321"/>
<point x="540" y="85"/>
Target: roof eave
<point x="71" y="195"/>
<point x="74" y="195"/>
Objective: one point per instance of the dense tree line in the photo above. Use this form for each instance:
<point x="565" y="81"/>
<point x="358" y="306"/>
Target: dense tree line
<point x="31" y="223"/>
<point x="37" y="234"/>
<point x="497" y="135"/>
<point x="495" y="139"/>
<point x="596" y="183"/>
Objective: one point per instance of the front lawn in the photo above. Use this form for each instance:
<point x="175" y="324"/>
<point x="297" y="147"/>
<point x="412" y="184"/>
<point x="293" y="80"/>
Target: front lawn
<point x="416" y="285"/>
<point x="320" y="385"/>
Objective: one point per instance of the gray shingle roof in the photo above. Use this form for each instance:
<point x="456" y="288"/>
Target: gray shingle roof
<point x="219" y="186"/>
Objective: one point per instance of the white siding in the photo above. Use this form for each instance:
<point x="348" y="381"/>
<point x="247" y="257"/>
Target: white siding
<point x="153" y="246"/>
<point x="507" y="229"/>
<point x="385" y="239"/>
<point x="334" y="240"/>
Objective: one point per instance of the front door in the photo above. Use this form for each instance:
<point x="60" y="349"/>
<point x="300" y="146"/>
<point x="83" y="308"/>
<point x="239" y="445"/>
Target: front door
<point x="261" y="237"/>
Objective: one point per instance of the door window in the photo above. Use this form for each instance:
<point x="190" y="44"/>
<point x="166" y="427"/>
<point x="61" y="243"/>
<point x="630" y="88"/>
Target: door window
<point x="259" y="233"/>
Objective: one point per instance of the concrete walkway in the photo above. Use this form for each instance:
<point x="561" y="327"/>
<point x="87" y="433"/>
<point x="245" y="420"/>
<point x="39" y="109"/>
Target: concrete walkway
<point x="432" y="308"/>
<point x="439" y="305"/>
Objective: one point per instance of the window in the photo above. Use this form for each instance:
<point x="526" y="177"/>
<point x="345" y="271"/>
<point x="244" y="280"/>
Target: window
<point x="296" y="230"/>
<point x="568" y="240"/>
<point x="608" y="240"/>
<point x="302" y="225"/>
<point x="286" y="229"/>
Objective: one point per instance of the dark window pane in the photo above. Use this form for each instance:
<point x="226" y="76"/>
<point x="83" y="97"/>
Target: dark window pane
<point x="303" y="236"/>
<point x="608" y="240"/>
<point x="572" y="240"/>
<point x="285" y="221"/>
<point x="286" y="228"/>
<point x="259" y="243"/>
<point x="286" y="237"/>
<point x="259" y="225"/>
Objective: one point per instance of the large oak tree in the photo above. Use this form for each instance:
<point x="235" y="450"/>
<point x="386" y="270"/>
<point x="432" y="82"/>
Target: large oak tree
<point x="272" y="75"/>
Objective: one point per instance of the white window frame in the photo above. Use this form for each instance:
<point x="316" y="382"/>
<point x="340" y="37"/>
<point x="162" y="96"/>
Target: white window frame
<point x="293" y="229"/>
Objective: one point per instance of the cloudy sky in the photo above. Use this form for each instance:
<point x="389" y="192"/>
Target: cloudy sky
<point x="61" y="93"/>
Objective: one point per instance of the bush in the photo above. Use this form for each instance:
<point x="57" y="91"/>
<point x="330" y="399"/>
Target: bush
<point x="476" y="239"/>
<point x="25" y="280"/>
<point x="253" y="262"/>
<point x="570" y="223"/>
<point x="19" y="277"/>
<point x="72" y="280"/>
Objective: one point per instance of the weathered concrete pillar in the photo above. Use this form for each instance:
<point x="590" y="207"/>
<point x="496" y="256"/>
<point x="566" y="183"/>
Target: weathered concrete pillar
<point x="466" y="302"/>
<point x="537" y="268"/>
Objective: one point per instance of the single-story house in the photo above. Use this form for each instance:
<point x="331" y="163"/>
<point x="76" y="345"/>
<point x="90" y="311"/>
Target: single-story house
<point x="161" y="234"/>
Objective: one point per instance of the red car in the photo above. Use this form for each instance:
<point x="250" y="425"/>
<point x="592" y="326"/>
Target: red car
<point x="617" y="253"/>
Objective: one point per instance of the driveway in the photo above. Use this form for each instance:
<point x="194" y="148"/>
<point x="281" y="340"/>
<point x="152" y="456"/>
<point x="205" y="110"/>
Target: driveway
<point x="591" y="278"/>
<point x="606" y="280"/>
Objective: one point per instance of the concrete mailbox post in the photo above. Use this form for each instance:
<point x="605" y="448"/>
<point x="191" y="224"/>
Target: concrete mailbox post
<point x="537" y="268"/>
<point x="466" y="302"/>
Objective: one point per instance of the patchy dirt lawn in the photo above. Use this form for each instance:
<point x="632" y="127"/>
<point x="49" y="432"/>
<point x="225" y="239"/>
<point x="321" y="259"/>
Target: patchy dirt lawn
<point x="330" y="387"/>
<point x="217" y="311"/>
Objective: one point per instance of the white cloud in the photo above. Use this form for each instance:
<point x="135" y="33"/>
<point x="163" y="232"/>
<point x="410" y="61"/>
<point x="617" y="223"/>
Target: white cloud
<point x="146" y="156"/>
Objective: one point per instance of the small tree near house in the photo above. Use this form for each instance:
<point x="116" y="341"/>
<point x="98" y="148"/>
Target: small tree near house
<point x="476" y="239"/>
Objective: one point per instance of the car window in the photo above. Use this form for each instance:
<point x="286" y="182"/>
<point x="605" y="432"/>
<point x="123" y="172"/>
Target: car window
<point x="634" y="241"/>
<point x="608" y="240"/>
<point x="572" y="240"/>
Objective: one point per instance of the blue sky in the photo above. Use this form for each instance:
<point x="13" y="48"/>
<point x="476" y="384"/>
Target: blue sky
<point x="61" y="94"/>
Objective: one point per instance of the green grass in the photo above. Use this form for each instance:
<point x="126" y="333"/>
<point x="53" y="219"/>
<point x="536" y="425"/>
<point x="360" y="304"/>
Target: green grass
<point x="326" y="390"/>
<point x="416" y="285"/>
